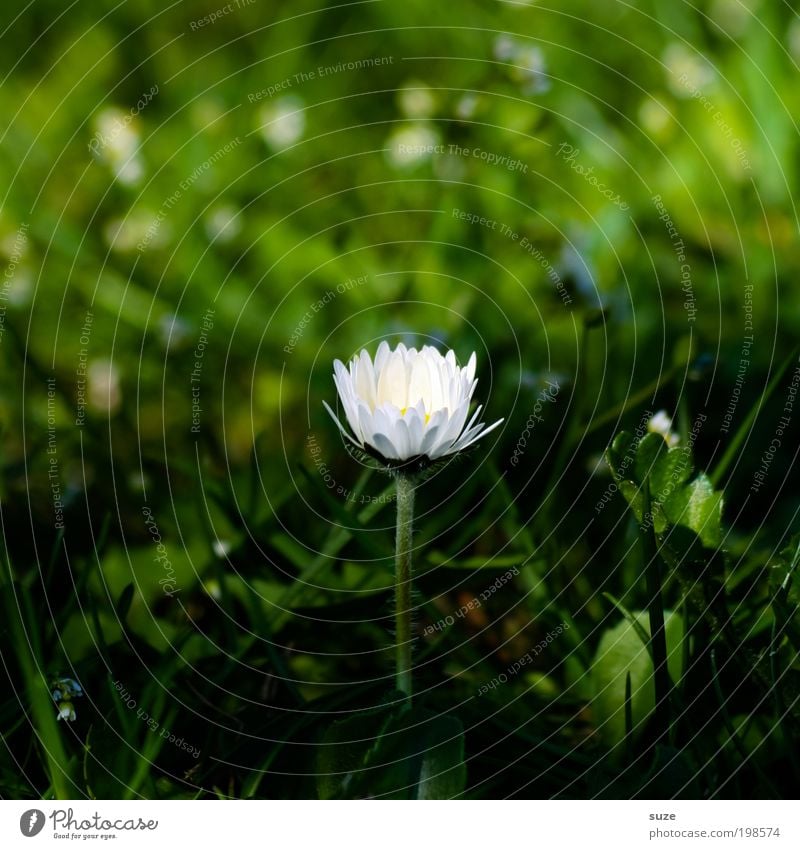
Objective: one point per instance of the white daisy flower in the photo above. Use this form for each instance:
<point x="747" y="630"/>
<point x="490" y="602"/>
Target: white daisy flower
<point x="408" y="404"/>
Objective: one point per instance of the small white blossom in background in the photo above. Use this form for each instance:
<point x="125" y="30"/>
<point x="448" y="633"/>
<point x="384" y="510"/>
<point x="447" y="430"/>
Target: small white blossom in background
<point x="16" y="283"/>
<point x="173" y="331"/>
<point x="408" y="404"/>
<point x="735" y="17"/>
<point x="450" y="168"/>
<point x="13" y="246"/>
<point x="66" y="711"/>
<point x="597" y="466"/>
<point x="64" y="690"/>
<point x="411" y="145"/>
<point x="467" y="106"/>
<point x="661" y="423"/>
<point x="208" y="115"/>
<point x="687" y="71"/>
<point x="116" y="142"/>
<point x="222" y="548"/>
<point x="104" y="392"/>
<point x="654" y="117"/>
<point x="526" y="63"/>
<point x="504" y="47"/>
<point x="223" y="223"/>
<point x="130" y="172"/>
<point x="212" y="588"/>
<point x="138" y="482"/>
<point x="19" y="290"/>
<point x="793" y="38"/>
<point x="283" y="122"/>
<point x="416" y="100"/>
<point x="142" y="228"/>
<point x="530" y="70"/>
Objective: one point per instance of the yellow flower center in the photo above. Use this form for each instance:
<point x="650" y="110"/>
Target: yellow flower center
<point x="427" y="415"/>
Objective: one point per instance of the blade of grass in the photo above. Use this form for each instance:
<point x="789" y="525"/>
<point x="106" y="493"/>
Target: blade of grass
<point x="730" y="728"/>
<point x="57" y="763"/>
<point x="337" y="539"/>
<point x="628" y="720"/>
<point x="632" y="401"/>
<point x="736" y="443"/>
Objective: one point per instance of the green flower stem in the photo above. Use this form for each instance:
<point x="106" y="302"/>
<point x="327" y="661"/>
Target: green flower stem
<point x="405" y="527"/>
<point x="655" y="607"/>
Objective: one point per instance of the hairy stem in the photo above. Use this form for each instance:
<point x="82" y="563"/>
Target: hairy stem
<point x="405" y="526"/>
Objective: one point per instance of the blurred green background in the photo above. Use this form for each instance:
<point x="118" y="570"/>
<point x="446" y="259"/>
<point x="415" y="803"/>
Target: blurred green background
<point x="205" y="204"/>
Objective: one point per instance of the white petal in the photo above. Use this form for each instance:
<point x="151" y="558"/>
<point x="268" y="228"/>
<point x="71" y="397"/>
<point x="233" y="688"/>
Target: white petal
<point x="455" y="425"/>
<point x="415" y="420"/>
<point x="401" y="440"/>
<point x="381" y="356"/>
<point x="392" y="384"/>
<point x="385" y="446"/>
<point x="428" y="447"/>
<point x="469" y="371"/>
<point x="471" y="439"/>
<point x="366" y="420"/>
<point x="433" y="433"/>
<point x="419" y="388"/>
<point x="472" y="420"/>
<point x="348" y="399"/>
<point x="364" y="382"/>
<point x="382" y="422"/>
<point x="435" y="383"/>
<point x="339" y="425"/>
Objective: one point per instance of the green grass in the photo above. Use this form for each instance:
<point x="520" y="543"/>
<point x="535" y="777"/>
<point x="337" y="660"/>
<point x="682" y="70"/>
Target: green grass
<point x="245" y="656"/>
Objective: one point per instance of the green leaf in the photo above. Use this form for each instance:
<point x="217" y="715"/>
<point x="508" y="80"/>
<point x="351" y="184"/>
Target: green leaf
<point x="633" y="495"/>
<point x="622" y="652"/>
<point x="698" y="506"/>
<point x="670" y="473"/>
<point x="124" y="602"/>
<point x="346" y="748"/>
<point x="392" y="752"/>
<point x="443" y="774"/>
<point x="674" y="500"/>
<point x="650" y="451"/>
<point x="673" y="775"/>
<point x="620" y="454"/>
